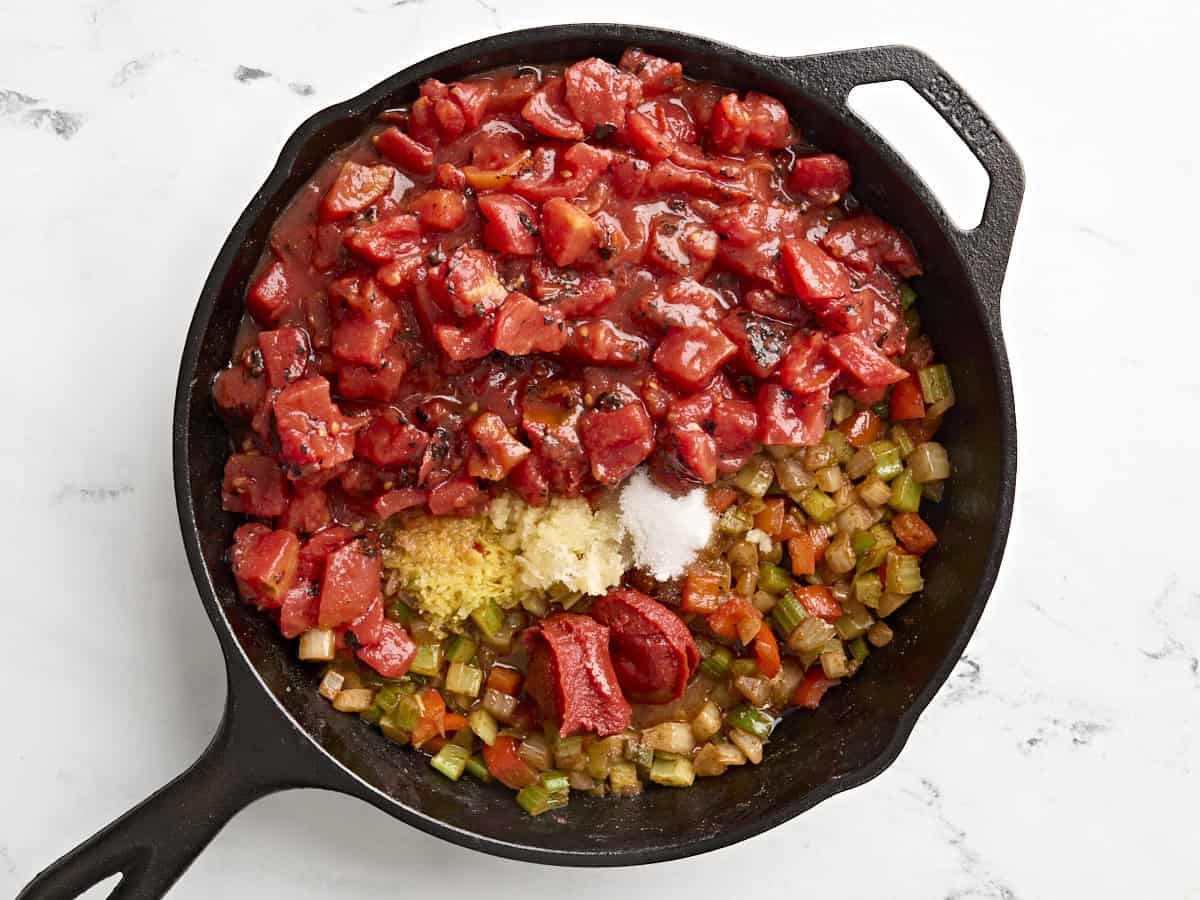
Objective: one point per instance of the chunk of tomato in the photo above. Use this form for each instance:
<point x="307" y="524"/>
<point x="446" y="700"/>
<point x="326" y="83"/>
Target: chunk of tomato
<point x="549" y="115"/>
<point x="253" y="485"/>
<point x="822" y="178"/>
<point x="312" y="431"/>
<point x="285" y="355"/>
<point x="568" y="233"/>
<point x="355" y="188"/>
<point x="524" y="327"/>
<point x="761" y="342"/>
<point x="863" y="360"/>
<point x="264" y="563"/>
<point x="500" y="452"/>
<point x="440" y="209"/>
<point x="795" y="420"/>
<point x="618" y="436"/>
<point x="509" y="224"/>
<point x="404" y="151"/>
<point x="270" y="296"/>
<point x="350" y="583"/>
<point x="599" y="94"/>
<point x="392" y="655"/>
<point x="691" y="356"/>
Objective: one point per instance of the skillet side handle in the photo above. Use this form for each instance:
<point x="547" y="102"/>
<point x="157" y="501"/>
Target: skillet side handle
<point x="155" y="842"/>
<point x="987" y="246"/>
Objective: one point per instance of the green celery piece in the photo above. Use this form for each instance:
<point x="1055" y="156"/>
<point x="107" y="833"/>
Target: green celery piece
<point x="489" y="618"/>
<point x="773" y="579"/>
<point x="908" y="296"/>
<point x="461" y="649"/>
<point x="935" y="383"/>
<point x="859" y="649"/>
<point x="451" y="760"/>
<point x="717" y="664"/>
<point x="906" y="493"/>
<point x="750" y="720"/>
<point x="818" y="505"/>
<point x="477" y="768"/>
<point x="788" y="613"/>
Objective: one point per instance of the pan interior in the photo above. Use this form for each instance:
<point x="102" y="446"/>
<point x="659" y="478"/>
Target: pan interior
<point x="811" y="754"/>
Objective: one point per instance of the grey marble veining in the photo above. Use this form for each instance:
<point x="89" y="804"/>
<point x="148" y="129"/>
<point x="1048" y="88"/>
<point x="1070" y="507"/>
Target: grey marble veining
<point x="1060" y="758"/>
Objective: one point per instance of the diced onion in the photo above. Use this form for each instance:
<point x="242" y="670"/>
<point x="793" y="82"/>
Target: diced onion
<point x="929" y="462"/>
<point x="318" y="644"/>
<point x="331" y="684"/>
<point x="353" y="700"/>
<point x="670" y="737"/>
<point x="707" y="722"/>
<point x="749" y="744"/>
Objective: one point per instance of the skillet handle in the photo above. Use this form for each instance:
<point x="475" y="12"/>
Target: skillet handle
<point x="155" y="842"/>
<point x="987" y="246"/>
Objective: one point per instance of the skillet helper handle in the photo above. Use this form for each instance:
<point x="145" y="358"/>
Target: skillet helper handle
<point x="155" y="842"/>
<point x="987" y="246"/>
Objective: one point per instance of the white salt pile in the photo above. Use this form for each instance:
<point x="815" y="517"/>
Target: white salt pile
<point x="666" y="532"/>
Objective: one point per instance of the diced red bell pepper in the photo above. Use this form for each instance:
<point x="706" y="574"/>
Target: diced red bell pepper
<point x="906" y="401"/>
<point x="504" y="763"/>
<point x="818" y="600"/>
<point x="812" y="688"/>
<point x="801" y="553"/>
<point x="766" y="651"/>
<point x="913" y="533"/>
<point x="861" y="428"/>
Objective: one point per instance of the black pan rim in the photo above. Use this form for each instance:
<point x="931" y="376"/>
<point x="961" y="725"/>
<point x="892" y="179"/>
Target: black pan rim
<point x="241" y="672"/>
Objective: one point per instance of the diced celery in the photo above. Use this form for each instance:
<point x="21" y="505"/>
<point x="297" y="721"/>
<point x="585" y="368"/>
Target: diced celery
<point x="489" y="618"/>
<point x="862" y="542"/>
<point x="741" y="667"/>
<point x="773" y="579"/>
<point x="568" y="751"/>
<point x="406" y="713"/>
<point x="868" y="588"/>
<point x="623" y="779"/>
<point x="890" y="602"/>
<point x="755" y="477"/>
<point x="554" y="781"/>
<point x="819" y="505"/>
<point x="535" y="799"/>
<point x="906" y="493"/>
<point x="451" y="760"/>
<point x="428" y="660"/>
<point x="398" y="611"/>
<point x="387" y="697"/>
<point x="874" y="491"/>
<point x="734" y="521"/>
<point x="843" y="408"/>
<point x="908" y="296"/>
<point x="903" y="573"/>
<point x="884" y="541"/>
<point x="372" y="714"/>
<point x="933" y="491"/>
<point x="788" y="614"/>
<point x="717" y="664"/>
<point x="855" y="621"/>
<point x="836" y="441"/>
<point x="461" y="649"/>
<point x="935" y="384"/>
<point x="812" y="633"/>
<point x="484" y="725"/>
<point x="899" y="434"/>
<point x="751" y="720"/>
<point x="477" y="768"/>
<point x="888" y="463"/>
<point x="641" y="755"/>
<point x="672" y="771"/>
<point x="464" y="679"/>
<point x="859" y="649"/>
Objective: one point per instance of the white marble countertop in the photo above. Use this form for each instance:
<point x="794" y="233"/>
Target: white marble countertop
<point x="1060" y="759"/>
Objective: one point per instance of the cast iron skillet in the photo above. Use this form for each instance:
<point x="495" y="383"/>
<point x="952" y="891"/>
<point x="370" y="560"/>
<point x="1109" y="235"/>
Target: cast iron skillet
<point x="277" y="733"/>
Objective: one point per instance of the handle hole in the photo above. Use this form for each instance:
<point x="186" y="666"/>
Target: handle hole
<point x="102" y="889"/>
<point x="930" y="146"/>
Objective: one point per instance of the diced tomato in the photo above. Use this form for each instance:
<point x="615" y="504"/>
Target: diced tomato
<point x="906" y="401"/>
<point x="501" y="451"/>
<point x="691" y="356"/>
<point x="568" y="233"/>
<point x="364" y="630"/>
<point x="523" y="327"/>
<point x="769" y="125"/>
<point x="472" y="98"/>
<point x="387" y="441"/>
<point x="317" y="548"/>
<point x="600" y="341"/>
<point x="730" y="125"/>
<point x="356" y="188"/>
<point x="581" y="165"/>
<point x="618" y="435"/>
<point x="735" y="422"/>
<point x="440" y="209"/>
<point x="473" y="340"/>
<point x="298" y="612"/>
<point x="822" y="178"/>
<point x="796" y="420"/>
<point x="254" y="485"/>
<point x="422" y="124"/>
<point x="307" y="509"/>
<point x="236" y="391"/>
<point x="761" y="342"/>
<point x="392" y="655"/>
<point x="861" y="428"/>
<point x="768" y="303"/>
<point x="392" y="502"/>
<point x="599" y="95"/>
<point x="270" y="296"/>
<point x="913" y="533"/>
<point x="802" y="554"/>
<point x="505" y="764"/>
<point x="374" y="383"/>
<point x="459" y="495"/>
<point x="350" y="583"/>
<point x="510" y="224"/>
<point x="468" y="284"/>
<point x="404" y="151"/>
<point x="386" y="240"/>
<point x="766" y="651"/>
<point x="649" y="140"/>
<point x="629" y="175"/>
<point x="265" y="563"/>
<point x="362" y="339"/>
<point x="806" y="368"/>
<point x="285" y="355"/>
<point x="863" y="360"/>
<point x="864" y="241"/>
<point x="812" y="688"/>
<point x="656" y="74"/>
<point x="818" y="600"/>
<point x="729" y="616"/>
<point x="312" y="431"/>
<point x="548" y="114"/>
<point x="862" y="394"/>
